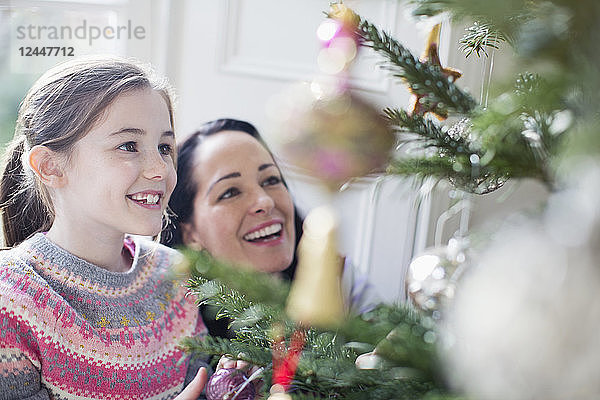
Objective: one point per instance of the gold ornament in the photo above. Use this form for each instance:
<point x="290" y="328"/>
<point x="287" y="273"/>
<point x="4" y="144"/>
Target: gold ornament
<point x="277" y="392"/>
<point x="280" y="396"/>
<point x="431" y="56"/>
<point x="315" y="297"/>
<point x="348" y="18"/>
<point x="334" y="137"/>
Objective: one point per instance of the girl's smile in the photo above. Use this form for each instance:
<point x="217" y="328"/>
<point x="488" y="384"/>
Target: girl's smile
<point x="148" y="199"/>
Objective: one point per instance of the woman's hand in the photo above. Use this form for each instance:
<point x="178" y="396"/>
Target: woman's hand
<point x="194" y="389"/>
<point x="227" y="362"/>
<point x="249" y="369"/>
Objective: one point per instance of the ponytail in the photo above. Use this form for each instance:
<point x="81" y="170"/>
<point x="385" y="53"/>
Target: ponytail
<point x="22" y="207"/>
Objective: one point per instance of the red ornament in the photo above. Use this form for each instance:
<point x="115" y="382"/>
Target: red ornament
<point x="228" y="383"/>
<point x="286" y="362"/>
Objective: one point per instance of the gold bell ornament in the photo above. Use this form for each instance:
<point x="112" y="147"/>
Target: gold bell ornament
<point x="315" y="297"/>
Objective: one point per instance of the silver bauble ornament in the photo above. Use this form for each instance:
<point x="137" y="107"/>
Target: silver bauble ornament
<point x="431" y="277"/>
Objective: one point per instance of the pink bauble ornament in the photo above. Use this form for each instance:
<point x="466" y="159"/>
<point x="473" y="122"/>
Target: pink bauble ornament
<point x="333" y="135"/>
<point x="226" y="382"/>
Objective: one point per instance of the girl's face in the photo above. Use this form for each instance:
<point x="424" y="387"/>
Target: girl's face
<point x="243" y="213"/>
<point x="121" y="173"/>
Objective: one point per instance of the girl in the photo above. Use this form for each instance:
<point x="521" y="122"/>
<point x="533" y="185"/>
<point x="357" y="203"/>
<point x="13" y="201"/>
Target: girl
<point x="232" y="200"/>
<point x="87" y="311"/>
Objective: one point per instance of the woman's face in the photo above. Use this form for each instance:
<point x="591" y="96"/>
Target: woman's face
<point x="243" y="213"/>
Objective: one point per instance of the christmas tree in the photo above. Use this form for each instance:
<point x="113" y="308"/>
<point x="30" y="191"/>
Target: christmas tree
<point x="539" y="126"/>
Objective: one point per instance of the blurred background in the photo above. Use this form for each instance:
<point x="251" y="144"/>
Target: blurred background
<point x="235" y="58"/>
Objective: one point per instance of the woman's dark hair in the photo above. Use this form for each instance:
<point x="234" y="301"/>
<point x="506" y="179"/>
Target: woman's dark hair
<point x="59" y="109"/>
<point x="182" y="199"/>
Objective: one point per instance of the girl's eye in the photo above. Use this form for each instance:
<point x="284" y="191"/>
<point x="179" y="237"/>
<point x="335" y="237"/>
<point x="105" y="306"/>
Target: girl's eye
<point x="229" y="193"/>
<point x="272" y="181"/>
<point x="165" y="149"/>
<point x="129" y="146"/>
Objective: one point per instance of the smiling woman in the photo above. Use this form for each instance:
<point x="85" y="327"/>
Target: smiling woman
<point x="232" y="201"/>
<point x="243" y="212"/>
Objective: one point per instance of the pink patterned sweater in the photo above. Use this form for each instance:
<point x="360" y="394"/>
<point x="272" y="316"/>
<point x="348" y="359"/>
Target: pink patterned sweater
<point x="72" y="330"/>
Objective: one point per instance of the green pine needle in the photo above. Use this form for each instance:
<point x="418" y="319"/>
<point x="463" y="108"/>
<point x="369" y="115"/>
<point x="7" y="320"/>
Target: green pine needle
<point x="260" y="356"/>
<point x="422" y="78"/>
<point x="480" y="36"/>
<point x="260" y="287"/>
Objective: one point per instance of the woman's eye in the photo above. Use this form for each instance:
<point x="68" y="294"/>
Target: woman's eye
<point x="229" y="193"/>
<point x="165" y="149"/>
<point x="129" y="146"/>
<point x="272" y="180"/>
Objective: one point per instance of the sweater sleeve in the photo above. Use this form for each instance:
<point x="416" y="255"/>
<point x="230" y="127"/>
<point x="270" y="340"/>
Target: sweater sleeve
<point x="19" y="371"/>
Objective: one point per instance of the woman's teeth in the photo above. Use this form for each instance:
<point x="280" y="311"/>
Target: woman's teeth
<point x="261" y="233"/>
<point x="146" y="198"/>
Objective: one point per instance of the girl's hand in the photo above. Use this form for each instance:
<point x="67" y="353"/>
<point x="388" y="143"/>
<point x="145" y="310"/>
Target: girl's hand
<point x="194" y="389"/>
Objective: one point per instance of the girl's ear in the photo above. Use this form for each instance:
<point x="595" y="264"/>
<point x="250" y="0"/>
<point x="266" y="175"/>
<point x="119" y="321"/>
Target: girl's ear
<point x="47" y="165"/>
<point x="189" y="236"/>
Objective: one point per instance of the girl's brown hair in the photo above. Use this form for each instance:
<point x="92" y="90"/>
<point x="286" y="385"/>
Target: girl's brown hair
<point x="59" y="109"/>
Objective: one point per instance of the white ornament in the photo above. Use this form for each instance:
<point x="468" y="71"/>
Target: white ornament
<point x="525" y="320"/>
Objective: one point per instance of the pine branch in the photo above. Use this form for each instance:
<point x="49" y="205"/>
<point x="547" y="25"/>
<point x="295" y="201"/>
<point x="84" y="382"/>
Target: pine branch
<point x="499" y="13"/>
<point x="430" y="8"/>
<point x="258" y="287"/>
<point x="307" y="396"/>
<point x="422" y="78"/>
<point x="518" y="136"/>
<point x="250" y="320"/>
<point x="212" y="292"/>
<point x="219" y="346"/>
<point x="425" y="132"/>
<point x="478" y="159"/>
<point x="348" y="382"/>
<point x="524" y="129"/>
<point x="480" y="36"/>
<point x="327" y="366"/>
<point x="341" y="379"/>
<point x="498" y="21"/>
<point x="457" y="170"/>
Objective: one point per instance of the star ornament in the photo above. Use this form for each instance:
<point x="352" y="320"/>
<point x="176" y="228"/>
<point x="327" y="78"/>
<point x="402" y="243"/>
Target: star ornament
<point x="419" y="104"/>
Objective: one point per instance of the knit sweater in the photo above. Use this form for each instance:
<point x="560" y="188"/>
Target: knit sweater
<point x="72" y="330"/>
